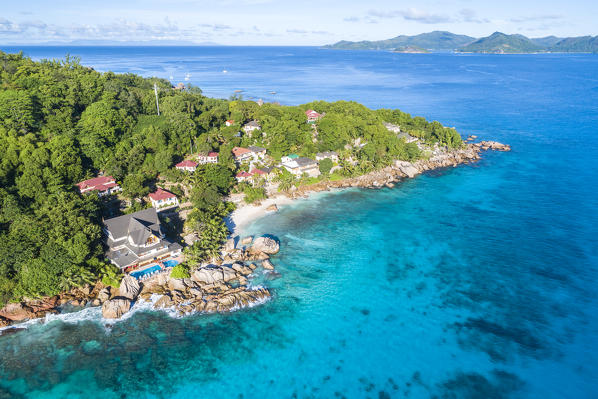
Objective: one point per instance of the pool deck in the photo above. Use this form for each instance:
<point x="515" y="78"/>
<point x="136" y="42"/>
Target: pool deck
<point x="179" y="259"/>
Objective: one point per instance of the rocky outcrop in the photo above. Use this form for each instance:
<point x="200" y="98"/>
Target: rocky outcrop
<point x="129" y="287"/>
<point x="115" y="308"/>
<point x="272" y="208"/>
<point x="267" y="265"/>
<point x="266" y="245"/>
<point x="493" y="145"/>
<point x="211" y="288"/>
<point x="247" y="240"/>
<point x="128" y="291"/>
<point x="407" y="168"/>
<point x="4" y="322"/>
<point x="17" y="312"/>
<point x="104" y="294"/>
<point x="230" y="244"/>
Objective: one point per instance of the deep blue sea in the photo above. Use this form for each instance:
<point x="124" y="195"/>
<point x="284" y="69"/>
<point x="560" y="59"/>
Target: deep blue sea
<point x="473" y="282"/>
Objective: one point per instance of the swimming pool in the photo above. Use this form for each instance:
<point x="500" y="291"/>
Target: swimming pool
<point x="170" y="263"/>
<point x="143" y="273"/>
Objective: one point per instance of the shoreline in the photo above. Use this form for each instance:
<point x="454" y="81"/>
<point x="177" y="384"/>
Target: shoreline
<point x="385" y="177"/>
<point x="228" y="299"/>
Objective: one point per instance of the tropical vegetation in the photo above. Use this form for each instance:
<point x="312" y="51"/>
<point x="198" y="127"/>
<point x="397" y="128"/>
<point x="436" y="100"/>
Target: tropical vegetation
<point x="62" y="122"/>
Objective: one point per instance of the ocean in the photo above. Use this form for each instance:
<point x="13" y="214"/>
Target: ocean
<point x="479" y="281"/>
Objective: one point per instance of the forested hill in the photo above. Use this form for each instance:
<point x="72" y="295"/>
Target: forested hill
<point x="437" y="40"/>
<point x="61" y="122"/>
<point x="500" y="43"/>
<point x="496" y="43"/>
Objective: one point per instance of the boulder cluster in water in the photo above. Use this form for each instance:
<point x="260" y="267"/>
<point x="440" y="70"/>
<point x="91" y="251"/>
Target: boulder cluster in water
<point x="209" y="289"/>
<point x="219" y="287"/>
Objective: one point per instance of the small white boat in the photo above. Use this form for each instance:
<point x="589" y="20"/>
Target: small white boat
<point x="224" y="71"/>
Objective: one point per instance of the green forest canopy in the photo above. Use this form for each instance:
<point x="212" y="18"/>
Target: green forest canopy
<point x="61" y="122"/>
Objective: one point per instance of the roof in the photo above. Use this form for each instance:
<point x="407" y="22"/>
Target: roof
<point x="257" y="172"/>
<point x="186" y="164"/>
<point x="256" y="149"/>
<point x="243" y="174"/>
<point x="267" y="170"/>
<point x="160" y="194"/>
<point x="212" y="154"/>
<point x="137" y="225"/>
<point x="252" y="124"/>
<point x="230" y="121"/>
<point x="311" y="112"/>
<point x="238" y="151"/>
<point x="96" y="181"/>
<point x="302" y="161"/>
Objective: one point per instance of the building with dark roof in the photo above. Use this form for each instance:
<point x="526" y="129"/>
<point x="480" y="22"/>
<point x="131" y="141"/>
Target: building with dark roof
<point x="137" y="239"/>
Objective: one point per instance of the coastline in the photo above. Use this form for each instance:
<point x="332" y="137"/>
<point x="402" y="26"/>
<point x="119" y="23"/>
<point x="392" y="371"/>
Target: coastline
<point x="219" y="296"/>
<point x="385" y="177"/>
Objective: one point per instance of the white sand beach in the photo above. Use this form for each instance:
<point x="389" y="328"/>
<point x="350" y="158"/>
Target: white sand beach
<point x="245" y="213"/>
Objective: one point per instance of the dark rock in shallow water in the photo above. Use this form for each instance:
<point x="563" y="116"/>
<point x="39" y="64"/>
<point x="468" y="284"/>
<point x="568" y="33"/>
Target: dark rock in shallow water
<point x="10" y="331"/>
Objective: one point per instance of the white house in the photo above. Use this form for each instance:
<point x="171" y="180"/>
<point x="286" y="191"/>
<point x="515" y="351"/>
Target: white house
<point x="312" y="116"/>
<point x="163" y="199"/>
<point x="300" y="165"/>
<point x="103" y="185"/>
<point x="251" y="126"/>
<point x="258" y="153"/>
<point x="187" y="166"/>
<point x="211" y="157"/>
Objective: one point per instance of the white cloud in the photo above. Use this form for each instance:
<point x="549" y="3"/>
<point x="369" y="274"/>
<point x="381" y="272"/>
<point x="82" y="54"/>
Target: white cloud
<point x="412" y="14"/>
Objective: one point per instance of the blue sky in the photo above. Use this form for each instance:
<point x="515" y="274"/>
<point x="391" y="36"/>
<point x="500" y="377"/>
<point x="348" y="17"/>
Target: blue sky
<point x="283" y="22"/>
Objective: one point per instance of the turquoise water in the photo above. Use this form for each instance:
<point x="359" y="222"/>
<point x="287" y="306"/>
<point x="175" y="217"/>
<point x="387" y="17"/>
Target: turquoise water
<point x="143" y="273"/>
<point x="170" y="263"/>
<point x="472" y="282"/>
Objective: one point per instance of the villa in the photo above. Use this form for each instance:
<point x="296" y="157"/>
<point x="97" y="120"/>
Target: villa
<point x="251" y="126"/>
<point x="258" y="153"/>
<point x="229" y="122"/>
<point x="187" y="166"/>
<point x="312" y="116"/>
<point x="162" y="199"/>
<point x="243" y="176"/>
<point x="211" y="157"/>
<point x="241" y="154"/>
<point x="249" y="154"/>
<point x="104" y="185"/>
<point x="333" y="156"/>
<point x="137" y="239"/>
<point x="289" y="158"/>
<point x="299" y="165"/>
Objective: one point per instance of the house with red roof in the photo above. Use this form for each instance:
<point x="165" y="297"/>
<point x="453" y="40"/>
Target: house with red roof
<point x="187" y="166"/>
<point x="242" y="154"/>
<point x="211" y="157"/>
<point x="243" y="176"/>
<point x="162" y="199"/>
<point x="312" y="116"/>
<point x="229" y="122"/>
<point x="104" y="185"/>
<point x="246" y="154"/>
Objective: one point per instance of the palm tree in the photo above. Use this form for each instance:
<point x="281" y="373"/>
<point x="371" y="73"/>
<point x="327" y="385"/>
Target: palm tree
<point x="286" y="180"/>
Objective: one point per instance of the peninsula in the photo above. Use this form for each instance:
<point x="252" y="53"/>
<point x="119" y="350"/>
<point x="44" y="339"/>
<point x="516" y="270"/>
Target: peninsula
<point x="115" y="188"/>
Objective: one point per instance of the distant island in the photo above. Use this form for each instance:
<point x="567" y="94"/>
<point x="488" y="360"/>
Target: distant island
<point x="496" y="43"/>
<point x="410" y="50"/>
